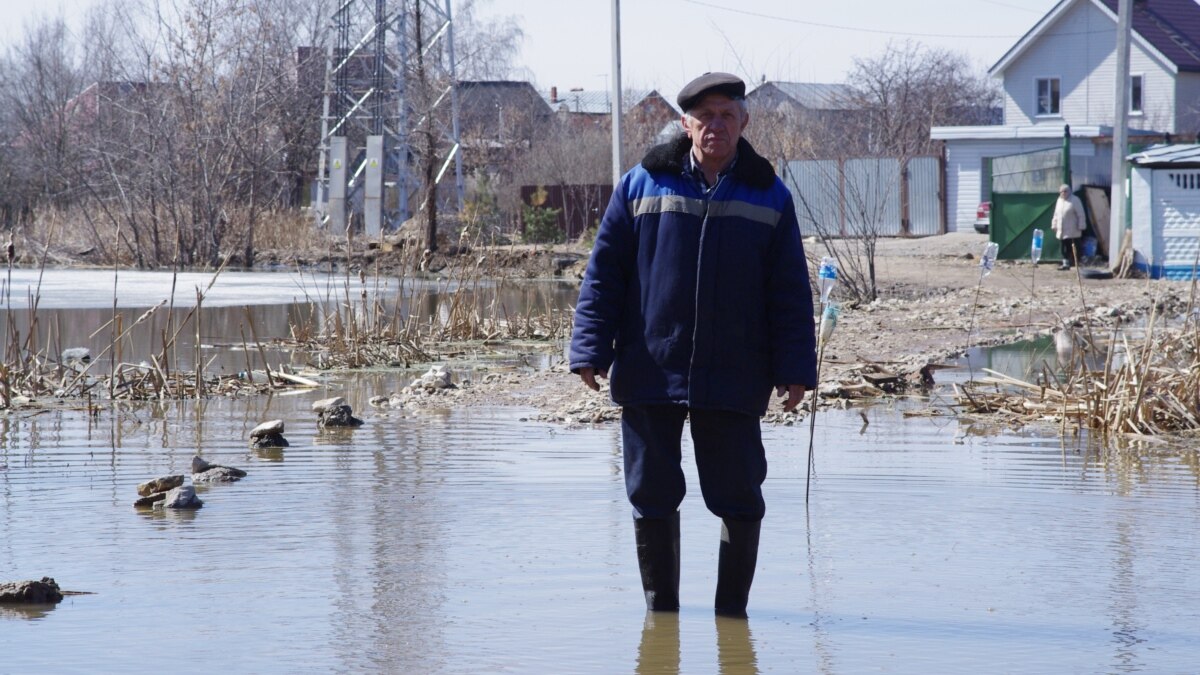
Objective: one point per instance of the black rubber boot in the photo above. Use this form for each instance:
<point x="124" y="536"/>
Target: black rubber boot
<point x="658" y="560"/>
<point x="735" y="569"/>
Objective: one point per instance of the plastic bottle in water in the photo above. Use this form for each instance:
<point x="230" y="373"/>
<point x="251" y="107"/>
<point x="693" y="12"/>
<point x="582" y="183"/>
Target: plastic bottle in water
<point x="827" y="277"/>
<point x="829" y="319"/>
<point x="1035" y="251"/>
<point x="988" y="261"/>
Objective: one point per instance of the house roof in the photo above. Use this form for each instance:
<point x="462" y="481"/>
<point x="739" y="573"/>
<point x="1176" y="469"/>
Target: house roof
<point x="486" y="104"/>
<point x="599" y="102"/>
<point x="488" y="94"/>
<point x="1178" y="155"/>
<point x="1169" y="28"/>
<point x="1172" y="26"/>
<point x="812" y="95"/>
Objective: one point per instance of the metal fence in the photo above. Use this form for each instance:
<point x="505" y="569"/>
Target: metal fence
<point x="867" y="196"/>
<point x="1036" y="172"/>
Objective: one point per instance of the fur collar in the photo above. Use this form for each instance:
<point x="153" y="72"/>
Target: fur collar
<point x="751" y="168"/>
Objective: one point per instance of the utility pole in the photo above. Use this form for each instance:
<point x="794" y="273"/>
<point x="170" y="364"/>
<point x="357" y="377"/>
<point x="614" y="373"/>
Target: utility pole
<point x="616" y="92"/>
<point x="1116" y="226"/>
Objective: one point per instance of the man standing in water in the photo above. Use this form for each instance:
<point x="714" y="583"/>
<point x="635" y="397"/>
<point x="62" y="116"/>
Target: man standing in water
<point x="696" y="301"/>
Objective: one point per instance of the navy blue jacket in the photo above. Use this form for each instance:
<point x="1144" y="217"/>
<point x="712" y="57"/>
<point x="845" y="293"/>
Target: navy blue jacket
<point x="696" y="299"/>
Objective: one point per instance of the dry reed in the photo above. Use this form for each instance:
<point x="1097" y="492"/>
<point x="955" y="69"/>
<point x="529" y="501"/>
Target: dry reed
<point x="1148" y="385"/>
<point x="354" y="327"/>
<point x="29" y="373"/>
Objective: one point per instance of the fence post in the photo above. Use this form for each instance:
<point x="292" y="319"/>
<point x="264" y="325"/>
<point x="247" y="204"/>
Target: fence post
<point x="943" y="214"/>
<point x="841" y="196"/>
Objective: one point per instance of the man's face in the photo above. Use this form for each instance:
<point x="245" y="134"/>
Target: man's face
<point x="715" y="124"/>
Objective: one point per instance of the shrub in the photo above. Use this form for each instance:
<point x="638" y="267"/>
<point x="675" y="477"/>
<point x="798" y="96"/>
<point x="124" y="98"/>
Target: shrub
<point x="541" y="225"/>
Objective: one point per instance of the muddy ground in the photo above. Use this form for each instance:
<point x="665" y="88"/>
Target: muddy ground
<point x="921" y="321"/>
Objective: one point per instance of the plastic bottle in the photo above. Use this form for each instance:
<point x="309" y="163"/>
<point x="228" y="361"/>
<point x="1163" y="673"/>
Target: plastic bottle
<point x="829" y="319"/>
<point x="827" y="277"/>
<point x="988" y="261"/>
<point x="1035" y="251"/>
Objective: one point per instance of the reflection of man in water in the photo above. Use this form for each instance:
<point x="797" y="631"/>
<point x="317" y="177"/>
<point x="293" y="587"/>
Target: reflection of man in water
<point x="659" y="651"/>
<point x="697" y="298"/>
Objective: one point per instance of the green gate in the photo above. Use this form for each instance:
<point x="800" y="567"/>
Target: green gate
<point x="1024" y="190"/>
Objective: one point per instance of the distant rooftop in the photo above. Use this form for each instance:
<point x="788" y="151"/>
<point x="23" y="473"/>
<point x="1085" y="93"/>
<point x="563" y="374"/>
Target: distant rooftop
<point x="594" y="102"/>
<point x="812" y="95"/>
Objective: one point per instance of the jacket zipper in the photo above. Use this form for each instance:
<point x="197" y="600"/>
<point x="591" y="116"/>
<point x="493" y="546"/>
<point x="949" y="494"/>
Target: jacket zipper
<point x="708" y="197"/>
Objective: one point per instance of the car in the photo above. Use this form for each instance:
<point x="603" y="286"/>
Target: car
<point x="983" y="217"/>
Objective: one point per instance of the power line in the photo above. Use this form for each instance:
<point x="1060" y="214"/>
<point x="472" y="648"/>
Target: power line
<point x="1011" y="6"/>
<point x="848" y="28"/>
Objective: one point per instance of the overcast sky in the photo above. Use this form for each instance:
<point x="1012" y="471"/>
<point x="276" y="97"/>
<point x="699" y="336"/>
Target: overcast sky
<point x="664" y="43"/>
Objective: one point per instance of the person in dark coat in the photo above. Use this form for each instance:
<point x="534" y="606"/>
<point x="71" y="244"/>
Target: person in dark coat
<point x="696" y="303"/>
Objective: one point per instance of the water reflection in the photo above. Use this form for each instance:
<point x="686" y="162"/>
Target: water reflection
<point x="658" y="651"/>
<point x="25" y="612"/>
<point x="1033" y="360"/>
<point x="735" y="647"/>
<point x="821" y="637"/>
<point x="1126" y="629"/>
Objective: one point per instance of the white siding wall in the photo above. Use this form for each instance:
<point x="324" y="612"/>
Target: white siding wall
<point x="1079" y="50"/>
<point x="964" y="167"/>
<point x="1187" y="103"/>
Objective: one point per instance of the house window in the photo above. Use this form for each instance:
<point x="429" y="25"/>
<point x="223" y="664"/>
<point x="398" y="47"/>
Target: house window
<point x="1136" y="94"/>
<point x="1047" y="96"/>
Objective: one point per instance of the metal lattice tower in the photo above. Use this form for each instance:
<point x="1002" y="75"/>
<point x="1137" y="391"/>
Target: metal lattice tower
<point x="368" y="115"/>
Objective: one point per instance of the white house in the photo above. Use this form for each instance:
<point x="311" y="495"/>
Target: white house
<point x="1062" y="72"/>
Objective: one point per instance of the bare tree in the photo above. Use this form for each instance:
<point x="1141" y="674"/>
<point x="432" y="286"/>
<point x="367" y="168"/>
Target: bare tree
<point x="173" y="128"/>
<point x="850" y="193"/>
<point x="909" y="88"/>
<point x="39" y="79"/>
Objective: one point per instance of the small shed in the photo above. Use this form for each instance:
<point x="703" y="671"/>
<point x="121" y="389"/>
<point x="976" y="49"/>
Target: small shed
<point x="1165" y="210"/>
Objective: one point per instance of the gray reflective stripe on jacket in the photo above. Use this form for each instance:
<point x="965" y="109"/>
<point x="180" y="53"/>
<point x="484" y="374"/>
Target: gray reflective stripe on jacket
<point x="716" y="208"/>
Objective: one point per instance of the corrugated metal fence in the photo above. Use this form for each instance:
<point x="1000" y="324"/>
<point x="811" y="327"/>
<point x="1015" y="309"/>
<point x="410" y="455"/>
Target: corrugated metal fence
<point x="873" y="196"/>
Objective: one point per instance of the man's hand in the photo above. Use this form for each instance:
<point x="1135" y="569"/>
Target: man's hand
<point x="795" y="392"/>
<point x="588" y="375"/>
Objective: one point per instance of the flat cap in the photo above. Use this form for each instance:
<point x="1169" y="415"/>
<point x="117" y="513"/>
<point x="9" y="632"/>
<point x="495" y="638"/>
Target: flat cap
<point x="710" y="83"/>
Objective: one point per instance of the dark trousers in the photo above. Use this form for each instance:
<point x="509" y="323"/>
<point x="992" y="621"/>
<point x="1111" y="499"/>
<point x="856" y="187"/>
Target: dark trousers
<point x="729" y="457"/>
<point x="1070" y="252"/>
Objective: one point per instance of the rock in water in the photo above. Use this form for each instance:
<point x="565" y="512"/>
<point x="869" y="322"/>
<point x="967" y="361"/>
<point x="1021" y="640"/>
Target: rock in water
<point x="271" y="427"/>
<point x="182" y="497"/>
<point x="159" y="485"/>
<point x="327" y="403"/>
<point x="41" y="592"/>
<point x="268" y="435"/>
<point x="341" y="416"/>
<point x="334" y="412"/>
<point x="204" y="472"/>
<point x="436" y="378"/>
<point x="143" y="502"/>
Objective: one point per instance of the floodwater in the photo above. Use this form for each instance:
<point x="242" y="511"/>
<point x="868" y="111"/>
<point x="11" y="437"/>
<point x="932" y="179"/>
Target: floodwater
<point x="471" y="541"/>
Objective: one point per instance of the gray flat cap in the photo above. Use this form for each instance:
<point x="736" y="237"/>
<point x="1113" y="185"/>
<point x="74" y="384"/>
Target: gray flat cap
<point x="710" y="83"/>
